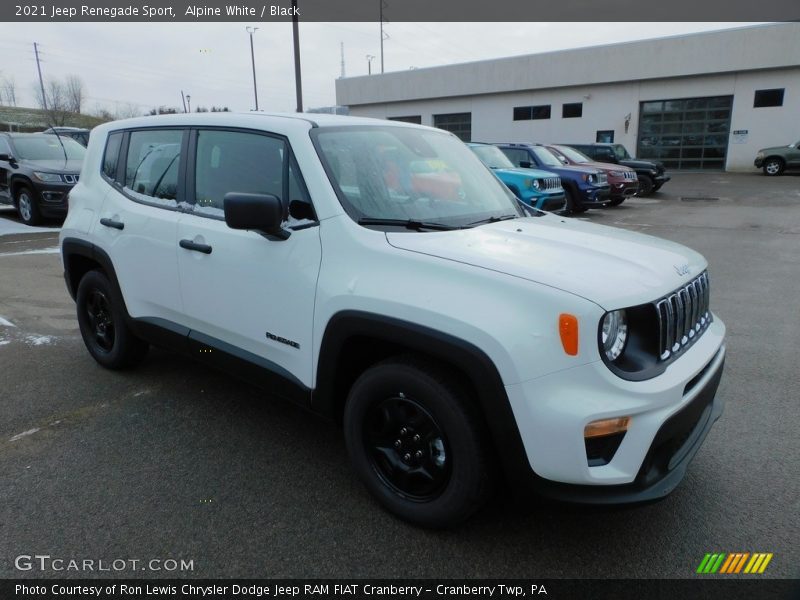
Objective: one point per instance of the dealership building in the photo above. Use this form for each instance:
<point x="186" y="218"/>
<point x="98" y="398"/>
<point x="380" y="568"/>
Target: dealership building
<point x="703" y="101"/>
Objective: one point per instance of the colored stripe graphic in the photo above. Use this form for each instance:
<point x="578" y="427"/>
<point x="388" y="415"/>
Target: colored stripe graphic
<point x="733" y="563"/>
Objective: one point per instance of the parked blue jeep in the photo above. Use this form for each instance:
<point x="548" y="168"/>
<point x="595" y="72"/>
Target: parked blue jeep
<point x="540" y="189"/>
<point x="586" y="187"/>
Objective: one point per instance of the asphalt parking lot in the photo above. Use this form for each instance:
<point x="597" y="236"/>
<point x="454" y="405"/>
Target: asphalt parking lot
<point x="175" y="461"/>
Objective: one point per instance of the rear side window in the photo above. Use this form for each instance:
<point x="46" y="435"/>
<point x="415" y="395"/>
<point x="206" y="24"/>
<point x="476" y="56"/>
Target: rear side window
<point x="111" y="155"/>
<point x="152" y="166"/>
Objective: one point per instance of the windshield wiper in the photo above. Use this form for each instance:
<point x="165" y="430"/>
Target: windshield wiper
<point x="492" y="219"/>
<point x="407" y="223"/>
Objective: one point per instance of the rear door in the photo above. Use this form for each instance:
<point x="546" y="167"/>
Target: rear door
<point x="139" y="219"/>
<point x="250" y="296"/>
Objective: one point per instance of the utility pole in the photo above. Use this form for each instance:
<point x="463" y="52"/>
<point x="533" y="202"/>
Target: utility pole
<point x="369" y="64"/>
<point x="183" y="99"/>
<point x="41" y="81"/>
<point x="384" y="35"/>
<point x="341" y="44"/>
<point x="298" y="83"/>
<point x="251" y="31"/>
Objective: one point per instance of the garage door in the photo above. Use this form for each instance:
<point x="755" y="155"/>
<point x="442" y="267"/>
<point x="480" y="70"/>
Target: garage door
<point x="689" y="133"/>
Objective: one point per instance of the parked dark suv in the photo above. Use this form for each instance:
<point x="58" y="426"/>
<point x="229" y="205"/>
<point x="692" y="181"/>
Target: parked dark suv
<point x="76" y="133"/>
<point x="36" y="172"/>
<point x="651" y="173"/>
<point x="585" y="187"/>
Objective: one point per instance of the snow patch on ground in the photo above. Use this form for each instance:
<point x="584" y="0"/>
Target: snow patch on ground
<point x="54" y="250"/>
<point x="39" y="340"/>
<point x="5" y="322"/>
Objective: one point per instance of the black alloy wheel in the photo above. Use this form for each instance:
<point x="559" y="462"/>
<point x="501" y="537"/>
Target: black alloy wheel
<point x="98" y="311"/>
<point x="407" y="448"/>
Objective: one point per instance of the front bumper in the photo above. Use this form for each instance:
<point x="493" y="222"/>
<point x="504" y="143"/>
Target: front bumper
<point x="670" y="417"/>
<point x="759" y="162"/>
<point x="549" y="202"/>
<point x="625" y="188"/>
<point x="53" y="199"/>
<point x="660" y="180"/>
<point x="595" y="196"/>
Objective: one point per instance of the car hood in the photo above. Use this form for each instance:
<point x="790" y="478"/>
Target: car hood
<point x="612" y="267"/>
<point x="606" y="167"/>
<point x="635" y="163"/>
<point x="775" y="149"/>
<point x="527" y="173"/>
<point x="54" y="166"/>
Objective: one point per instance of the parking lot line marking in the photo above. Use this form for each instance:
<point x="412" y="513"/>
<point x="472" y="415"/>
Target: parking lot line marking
<point x="24" y="433"/>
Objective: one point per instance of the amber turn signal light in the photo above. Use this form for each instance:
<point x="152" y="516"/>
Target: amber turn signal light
<point x="606" y="427"/>
<point x="568" y="330"/>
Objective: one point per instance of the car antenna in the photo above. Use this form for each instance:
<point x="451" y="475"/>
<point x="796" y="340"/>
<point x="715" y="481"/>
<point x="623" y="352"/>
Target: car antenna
<point x="63" y="149"/>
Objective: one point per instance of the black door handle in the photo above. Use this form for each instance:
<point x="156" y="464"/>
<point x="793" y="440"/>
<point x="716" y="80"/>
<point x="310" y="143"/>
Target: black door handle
<point x="190" y="245"/>
<point x="111" y="223"/>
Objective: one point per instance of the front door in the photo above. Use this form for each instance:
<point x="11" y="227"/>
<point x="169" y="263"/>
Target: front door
<point x="250" y="296"/>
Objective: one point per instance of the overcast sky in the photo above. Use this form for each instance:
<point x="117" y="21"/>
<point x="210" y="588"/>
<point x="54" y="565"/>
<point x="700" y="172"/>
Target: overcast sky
<point x="149" y="64"/>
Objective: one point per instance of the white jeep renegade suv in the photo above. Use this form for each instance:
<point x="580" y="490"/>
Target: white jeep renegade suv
<point x="378" y="274"/>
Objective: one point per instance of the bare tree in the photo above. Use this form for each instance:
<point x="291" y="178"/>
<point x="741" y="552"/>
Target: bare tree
<point x="8" y="91"/>
<point x="54" y="100"/>
<point x="128" y="111"/>
<point x="73" y="90"/>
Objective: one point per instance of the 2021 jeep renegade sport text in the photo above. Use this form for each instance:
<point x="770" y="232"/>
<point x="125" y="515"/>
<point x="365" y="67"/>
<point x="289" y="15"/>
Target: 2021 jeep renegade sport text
<point x="378" y="274"/>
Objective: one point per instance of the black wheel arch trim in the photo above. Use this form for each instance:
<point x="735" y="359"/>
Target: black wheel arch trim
<point x="484" y="378"/>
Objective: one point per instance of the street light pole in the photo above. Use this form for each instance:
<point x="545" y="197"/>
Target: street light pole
<point x="251" y="31"/>
<point x="298" y="81"/>
<point x="189" y="102"/>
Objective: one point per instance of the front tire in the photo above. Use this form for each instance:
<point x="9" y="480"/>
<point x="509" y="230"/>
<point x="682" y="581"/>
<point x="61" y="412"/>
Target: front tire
<point x="574" y="205"/>
<point x="101" y="319"/>
<point x="616" y="201"/>
<point x="416" y="442"/>
<point x="27" y="206"/>
<point x="646" y="185"/>
<point x="773" y="167"/>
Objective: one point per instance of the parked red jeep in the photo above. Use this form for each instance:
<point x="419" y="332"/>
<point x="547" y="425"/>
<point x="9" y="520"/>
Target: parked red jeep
<point x="622" y="180"/>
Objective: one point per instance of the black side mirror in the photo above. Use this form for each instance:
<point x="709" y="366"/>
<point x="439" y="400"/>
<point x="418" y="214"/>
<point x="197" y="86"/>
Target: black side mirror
<point x="256" y="212"/>
<point x="525" y="164"/>
<point x="7" y="157"/>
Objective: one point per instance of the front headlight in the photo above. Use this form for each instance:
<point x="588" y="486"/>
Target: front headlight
<point x="47" y="177"/>
<point x="537" y="184"/>
<point x="617" y="173"/>
<point x="760" y="155"/>
<point x="614" y="334"/>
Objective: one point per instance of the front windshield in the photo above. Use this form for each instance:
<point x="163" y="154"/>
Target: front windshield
<point x="405" y="174"/>
<point x="47" y="147"/>
<point x="573" y="155"/>
<point x="492" y="157"/>
<point x="546" y="157"/>
<point x="621" y="152"/>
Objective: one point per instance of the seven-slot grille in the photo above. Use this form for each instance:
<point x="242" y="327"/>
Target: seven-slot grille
<point x="550" y="184"/>
<point x="629" y="175"/>
<point x="683" y="315"/>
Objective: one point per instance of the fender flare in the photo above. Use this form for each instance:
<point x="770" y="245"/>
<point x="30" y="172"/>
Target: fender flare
<point x="482" y="373"/>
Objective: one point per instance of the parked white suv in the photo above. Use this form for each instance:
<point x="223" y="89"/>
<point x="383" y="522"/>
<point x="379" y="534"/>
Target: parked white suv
<point x="378" y="274"/>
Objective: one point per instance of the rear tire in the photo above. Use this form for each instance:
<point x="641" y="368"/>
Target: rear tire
<point x="101" y="318"/>
<point x="417" y="443"/>
<point x="27" y="204"/>
<point x="773" y="167"/>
